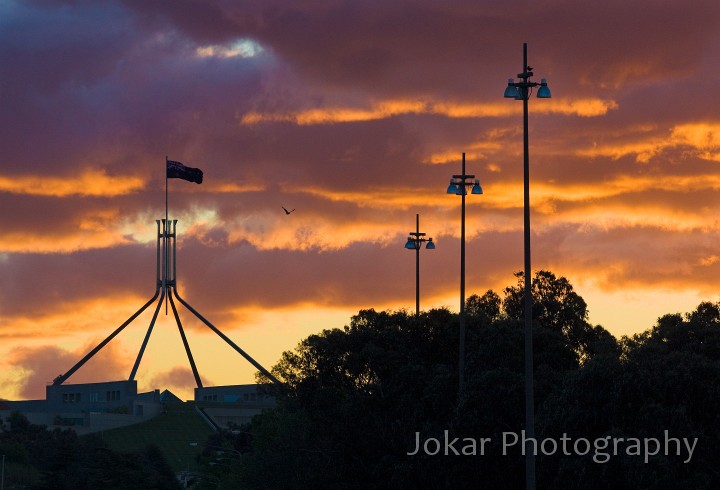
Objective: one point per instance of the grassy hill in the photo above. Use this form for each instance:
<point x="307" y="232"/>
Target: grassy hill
<point x="179" y="433"/>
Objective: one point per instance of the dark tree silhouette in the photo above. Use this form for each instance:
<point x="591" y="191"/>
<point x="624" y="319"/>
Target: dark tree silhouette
<point x="59" y="459"/>
<point x="354" y="398"/>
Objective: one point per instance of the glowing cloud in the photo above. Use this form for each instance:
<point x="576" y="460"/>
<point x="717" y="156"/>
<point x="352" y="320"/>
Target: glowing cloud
<point x="87" y="231"/>
<point x="392" y="108"/>
<point x="36" y="366"/>
<point x="88" y="183"/>
<point x="39" y="242"/>
<point x="69" y="316"/>
<point x="702" y="138"/>
<point x="242" y="48"/>
<point x="330" y="108"/>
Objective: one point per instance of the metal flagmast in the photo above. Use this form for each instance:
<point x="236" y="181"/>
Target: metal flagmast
<point x="165" y="282"/>
<point x="165" y="233"/>
<point x="166" y="189"/>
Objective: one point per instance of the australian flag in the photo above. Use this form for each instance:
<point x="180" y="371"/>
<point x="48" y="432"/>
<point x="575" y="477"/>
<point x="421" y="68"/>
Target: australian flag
<point x="176" y="170"/>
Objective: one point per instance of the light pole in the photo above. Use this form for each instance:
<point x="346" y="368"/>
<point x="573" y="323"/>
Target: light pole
<point x="521" y="90"/>
<point x="414" y="242"/>
<point x="458" y="185"/>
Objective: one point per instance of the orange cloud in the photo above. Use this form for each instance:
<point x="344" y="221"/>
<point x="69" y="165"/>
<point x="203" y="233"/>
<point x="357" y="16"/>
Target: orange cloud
<point x="475" y="151"/>
<point x="89" y="231"/>
<point x="603" y="205"/>
<point x="378" y="197"/>
<point x="30" y="242"/>
<point x="179" y="380"/>
<point x="621" y="216"/>
<point x="390" y="108"/>
<point x="623" y="184"/>
<point x="230" y="187"/>
<point x="596" y="204"/>
<point x="100" y="229"/>
<point x="703" y="139"/>
<point x="71" y="316"/>
<point x="87" y="183"/>
<point x="35" y="367"/>
<point x="309" y="233"/>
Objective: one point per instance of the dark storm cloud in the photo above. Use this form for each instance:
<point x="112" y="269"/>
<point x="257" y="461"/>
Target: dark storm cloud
<point x="98" y="89"/>
<point x="346" y="111"/>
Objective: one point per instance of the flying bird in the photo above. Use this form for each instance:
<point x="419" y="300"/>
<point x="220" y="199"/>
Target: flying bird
<point x="286" y="211"/>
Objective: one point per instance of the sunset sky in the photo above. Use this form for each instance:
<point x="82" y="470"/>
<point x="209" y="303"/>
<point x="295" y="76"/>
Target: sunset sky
<point x="356" y="114"/>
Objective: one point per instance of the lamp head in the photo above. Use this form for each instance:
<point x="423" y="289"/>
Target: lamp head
<point x="430" y="244"/>
<point x="511" y="91"/>
<point x="410" y="244"/>
<point x="452" y="188"/>
<point x="476" y="188"/>
<point x="544" y="90"/>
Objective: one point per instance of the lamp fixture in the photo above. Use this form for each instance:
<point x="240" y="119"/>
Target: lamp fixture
<point x="414" y="242"/>
<point x="521" y="91"/>
<point x="461" y="183"/>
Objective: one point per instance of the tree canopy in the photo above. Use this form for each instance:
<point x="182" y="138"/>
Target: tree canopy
<point x="355" y="400"/>
<point x="375" y="404"/>
<point x="37" y="458"/>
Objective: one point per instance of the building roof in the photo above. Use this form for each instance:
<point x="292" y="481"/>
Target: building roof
<point x="168" y="396"/>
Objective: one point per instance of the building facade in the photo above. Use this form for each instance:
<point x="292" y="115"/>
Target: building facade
<point x="233" y="405"/>
<point x="90" y="407"/>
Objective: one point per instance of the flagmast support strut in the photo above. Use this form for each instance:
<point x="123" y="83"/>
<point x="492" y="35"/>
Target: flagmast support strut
<point x="166" y="287"/>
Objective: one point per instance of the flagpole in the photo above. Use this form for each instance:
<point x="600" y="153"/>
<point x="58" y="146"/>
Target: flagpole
<point x="178" y="171"/>
<point x="165" y="243"/>
<point x="166" y="189"/>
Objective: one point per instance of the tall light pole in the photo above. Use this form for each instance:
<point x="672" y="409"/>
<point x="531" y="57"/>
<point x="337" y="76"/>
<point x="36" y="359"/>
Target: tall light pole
<point x="458" y="185"/>
<point x="521" y="90"/>
<point x="414" y="242"/>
